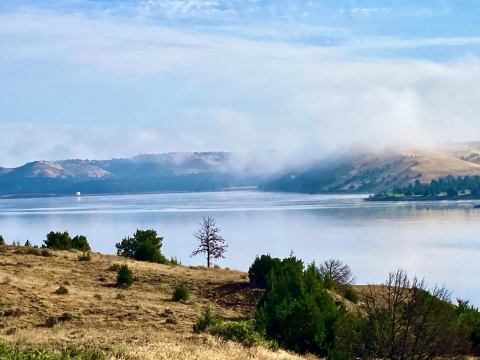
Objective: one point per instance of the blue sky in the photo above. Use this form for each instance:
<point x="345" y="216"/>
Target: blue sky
<point x="100" y="79"/>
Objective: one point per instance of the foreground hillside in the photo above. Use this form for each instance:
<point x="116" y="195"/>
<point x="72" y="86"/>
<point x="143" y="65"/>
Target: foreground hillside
<point x="141" y="322"/>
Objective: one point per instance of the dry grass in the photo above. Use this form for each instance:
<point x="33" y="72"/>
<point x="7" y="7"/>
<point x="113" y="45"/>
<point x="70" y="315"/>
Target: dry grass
<point x="141" y="322"/>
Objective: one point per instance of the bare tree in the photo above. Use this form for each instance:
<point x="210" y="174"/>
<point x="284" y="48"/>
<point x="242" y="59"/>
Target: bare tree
<point x="337" y="271"/>
<point x="211" y="243"/>
<point x="409" y="322"/>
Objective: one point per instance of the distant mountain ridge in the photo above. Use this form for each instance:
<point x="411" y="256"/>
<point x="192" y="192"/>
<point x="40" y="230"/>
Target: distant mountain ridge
<point x="347" y="172"/>
<point x="142" y="173"/>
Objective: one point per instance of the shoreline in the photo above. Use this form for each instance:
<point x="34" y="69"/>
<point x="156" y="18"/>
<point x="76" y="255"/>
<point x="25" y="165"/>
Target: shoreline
<point x="41" y="196"/>
<point x="423" y="199"/>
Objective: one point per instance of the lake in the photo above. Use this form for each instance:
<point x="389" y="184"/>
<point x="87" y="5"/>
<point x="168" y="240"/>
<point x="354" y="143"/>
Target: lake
<point x="437" y="240"/>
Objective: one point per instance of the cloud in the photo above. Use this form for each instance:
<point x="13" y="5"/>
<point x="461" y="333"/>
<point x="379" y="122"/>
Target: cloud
<point x="181" y="89"/>
<point x="185" y="8"/>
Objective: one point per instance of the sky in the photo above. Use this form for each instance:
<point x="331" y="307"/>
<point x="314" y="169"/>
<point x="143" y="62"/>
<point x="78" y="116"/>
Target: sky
<point x="107" y="78"/>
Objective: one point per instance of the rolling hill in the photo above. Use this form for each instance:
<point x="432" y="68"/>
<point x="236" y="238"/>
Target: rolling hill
<point x="143" y="173"/>
<point x="346" y="172"/>
<point x="373" y="172"/>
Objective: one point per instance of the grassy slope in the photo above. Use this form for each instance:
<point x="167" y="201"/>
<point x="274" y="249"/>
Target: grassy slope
<point x="127" y="323"/>
<point x="383" y="170"/>
<point x="399" y="167"/>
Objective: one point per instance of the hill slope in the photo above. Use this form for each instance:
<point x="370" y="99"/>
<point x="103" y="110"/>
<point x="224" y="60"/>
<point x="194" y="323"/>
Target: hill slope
<point x="141" y="322"/>
<point x="144" y="173"/>
<point x="373" y="172"/>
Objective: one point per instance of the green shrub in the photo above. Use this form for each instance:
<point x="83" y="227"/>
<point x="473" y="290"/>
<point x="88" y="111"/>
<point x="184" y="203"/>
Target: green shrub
<point x="145" y="245"/>
<point x="181" y="292"/>
<point x="350" y="294"/>
<point x="86" y="256"/>
<point x="2" y="240"/>
<point x="349" y="341"/>
<point x="469" y="318"/>
<point x="27" y="243"/>
<point x="62" y="241"/>
<point x="328" y="282"/>
<point x="66" y="316"/>
<point x="243" y="332"/>
<point x="45" y="253"/>
<point x="58" y="240"/>
<point x="114" y="267"/>
<point x="206" y="321"/>
<point x="80" y="242"/>
<point x="124" y="276"/>
<point x="62" y="290"/>
<point x="295" y="310"/>
<point x="51" y="321"/>
<point x="261" y="267"/>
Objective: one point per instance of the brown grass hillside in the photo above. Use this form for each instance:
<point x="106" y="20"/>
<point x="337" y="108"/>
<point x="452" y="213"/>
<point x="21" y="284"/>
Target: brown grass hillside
<point x="400" y="167"/>
<point x="141" y="322"/>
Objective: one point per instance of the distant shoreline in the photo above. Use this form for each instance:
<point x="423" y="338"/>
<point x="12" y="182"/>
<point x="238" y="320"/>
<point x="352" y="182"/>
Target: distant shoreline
<point x="423" y="199"/>
<point x="40" y="196"/>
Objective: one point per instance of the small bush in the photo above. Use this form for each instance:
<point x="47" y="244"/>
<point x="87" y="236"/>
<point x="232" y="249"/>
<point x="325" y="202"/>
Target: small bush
<point x="124" y="276"/>
<point x="2" y="240"/>
<point x="243" y="332"/>
<point x="181" y="292"/>
<point x="80" y="242"/>
<point x="66" y="316"/>
<point x="145" y="245"/>
<point x="27" y="243"/>
<point x="45" y="253"/>
<point x="350" y="294"/>
<point x="207" y="320"/>
<point x="62" y="290"/>
<point x="85" y="257"/>
<point x="260" y="269"/>
<point x="51" y="321"/>
<point x="114" y="267"/>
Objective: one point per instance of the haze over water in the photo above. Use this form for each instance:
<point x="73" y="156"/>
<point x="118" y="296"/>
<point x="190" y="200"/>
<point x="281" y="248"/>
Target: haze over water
<point x="437" y="240"/>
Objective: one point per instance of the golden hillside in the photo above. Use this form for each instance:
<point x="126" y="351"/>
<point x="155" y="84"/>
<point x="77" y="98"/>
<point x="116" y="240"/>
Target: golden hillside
<point x="141" y="322"/>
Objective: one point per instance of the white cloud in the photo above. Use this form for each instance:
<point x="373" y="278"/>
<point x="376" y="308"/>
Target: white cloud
<point x="184" y="8"/>
<point x="239" y="94"/>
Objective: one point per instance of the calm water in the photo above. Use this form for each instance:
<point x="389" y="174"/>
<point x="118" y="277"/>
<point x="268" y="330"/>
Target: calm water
<point x="440" y="240"/>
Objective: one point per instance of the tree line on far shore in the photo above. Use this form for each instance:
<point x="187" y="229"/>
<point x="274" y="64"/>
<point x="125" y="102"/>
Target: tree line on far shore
<point x="449" y="187"/>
